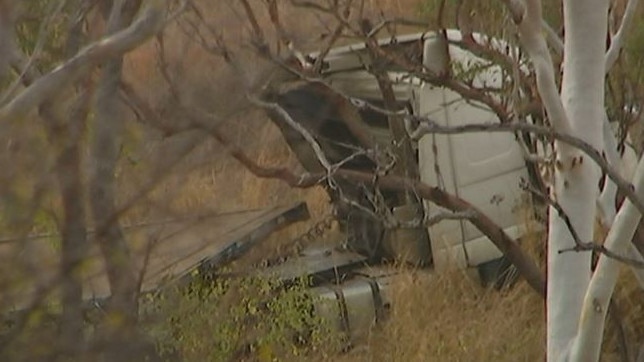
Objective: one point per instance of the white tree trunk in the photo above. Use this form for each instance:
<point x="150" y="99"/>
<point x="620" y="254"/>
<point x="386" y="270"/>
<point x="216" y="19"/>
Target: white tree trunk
<point x="576" y="180"/>
<point x="608" y="197"/>
<point x="591" y="325"/>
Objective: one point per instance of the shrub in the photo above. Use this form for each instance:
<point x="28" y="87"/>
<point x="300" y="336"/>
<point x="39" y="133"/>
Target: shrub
<point x="255" y="318"/>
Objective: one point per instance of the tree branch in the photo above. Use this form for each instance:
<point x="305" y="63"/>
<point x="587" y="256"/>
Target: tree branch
<point x="553" y="39"/>
<point x="429" y="126"/>
<point x="529" y="21"/>
<point x="147" y="25"/>
<point x="274" y="107"/>
<point x="602" y="284"/>
<point x="507" y="245"/>
<point x="618" y="40"/>
<point x="53" y="11"/>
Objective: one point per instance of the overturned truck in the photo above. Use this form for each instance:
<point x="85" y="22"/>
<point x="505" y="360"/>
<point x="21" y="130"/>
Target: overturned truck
<point x="354" y="108"/>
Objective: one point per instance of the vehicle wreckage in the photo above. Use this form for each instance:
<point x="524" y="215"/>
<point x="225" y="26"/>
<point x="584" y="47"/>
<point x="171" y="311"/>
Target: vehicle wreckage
<point x="348" y="113"/>
<point x="343" y="116"/>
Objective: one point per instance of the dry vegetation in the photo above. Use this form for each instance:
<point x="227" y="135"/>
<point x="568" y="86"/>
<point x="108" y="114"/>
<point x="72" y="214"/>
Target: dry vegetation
<point x="450" y="318"/>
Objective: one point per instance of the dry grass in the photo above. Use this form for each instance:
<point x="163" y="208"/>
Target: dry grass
<point x="450" y="318"/>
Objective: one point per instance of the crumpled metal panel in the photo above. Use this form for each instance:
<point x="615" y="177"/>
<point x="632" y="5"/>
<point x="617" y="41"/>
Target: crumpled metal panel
<point x="167" y="251"/>
<point x="325" y="262"/>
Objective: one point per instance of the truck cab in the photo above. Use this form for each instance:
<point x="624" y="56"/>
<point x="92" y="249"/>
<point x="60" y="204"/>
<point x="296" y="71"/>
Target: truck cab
<point x="484" y="169"/>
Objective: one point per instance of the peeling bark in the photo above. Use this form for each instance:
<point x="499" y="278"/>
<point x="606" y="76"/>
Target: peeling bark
<point x="576" y="188"/>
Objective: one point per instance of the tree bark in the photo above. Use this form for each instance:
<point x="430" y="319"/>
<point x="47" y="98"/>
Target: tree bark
<point x="65" y="138"/>
<point x="587" y="345"/>
<point x="122" y="309"/>
<point x="575" y="186"/>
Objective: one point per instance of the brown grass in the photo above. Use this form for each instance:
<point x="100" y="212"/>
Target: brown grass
<point x="449" y="318"/>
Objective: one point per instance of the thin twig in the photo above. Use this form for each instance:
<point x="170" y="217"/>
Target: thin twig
<point x="579" y="244"/>
<point x="68" y="73"/>
<point x="40" y="43"/>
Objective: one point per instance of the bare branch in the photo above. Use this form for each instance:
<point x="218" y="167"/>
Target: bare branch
<point x="40" y="42"/>
<point x="337" y="32"/>
<point x="298" y="127"/>
<point x="68" y="73"/>
<point x="581" y="245"/>
<point x="431" y="220"/>
<point x="384" y="23"/>
<point x="507" y="245"/>
<point x="618" y="40"/>
<point x="530" y="22"/>
<point x="428" y="126"/>
<point x="258" y="34"/>
<point x="553" y="38"/>
<point x="311" y="5"/>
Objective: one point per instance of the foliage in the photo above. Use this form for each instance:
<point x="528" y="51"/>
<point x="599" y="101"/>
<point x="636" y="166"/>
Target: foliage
<point x="228" y="319"/>
<point x="25" y="344"/>
<point x="42" y="31"/>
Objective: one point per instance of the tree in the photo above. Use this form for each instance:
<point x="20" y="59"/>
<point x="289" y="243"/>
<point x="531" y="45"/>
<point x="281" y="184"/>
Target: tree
<point x="65" y="115"/>
<point x="578" y="297"/>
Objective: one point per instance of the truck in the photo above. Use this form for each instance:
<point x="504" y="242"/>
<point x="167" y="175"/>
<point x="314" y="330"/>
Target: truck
<point x="342" y="106"/>
<point x="343" y="111"/>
